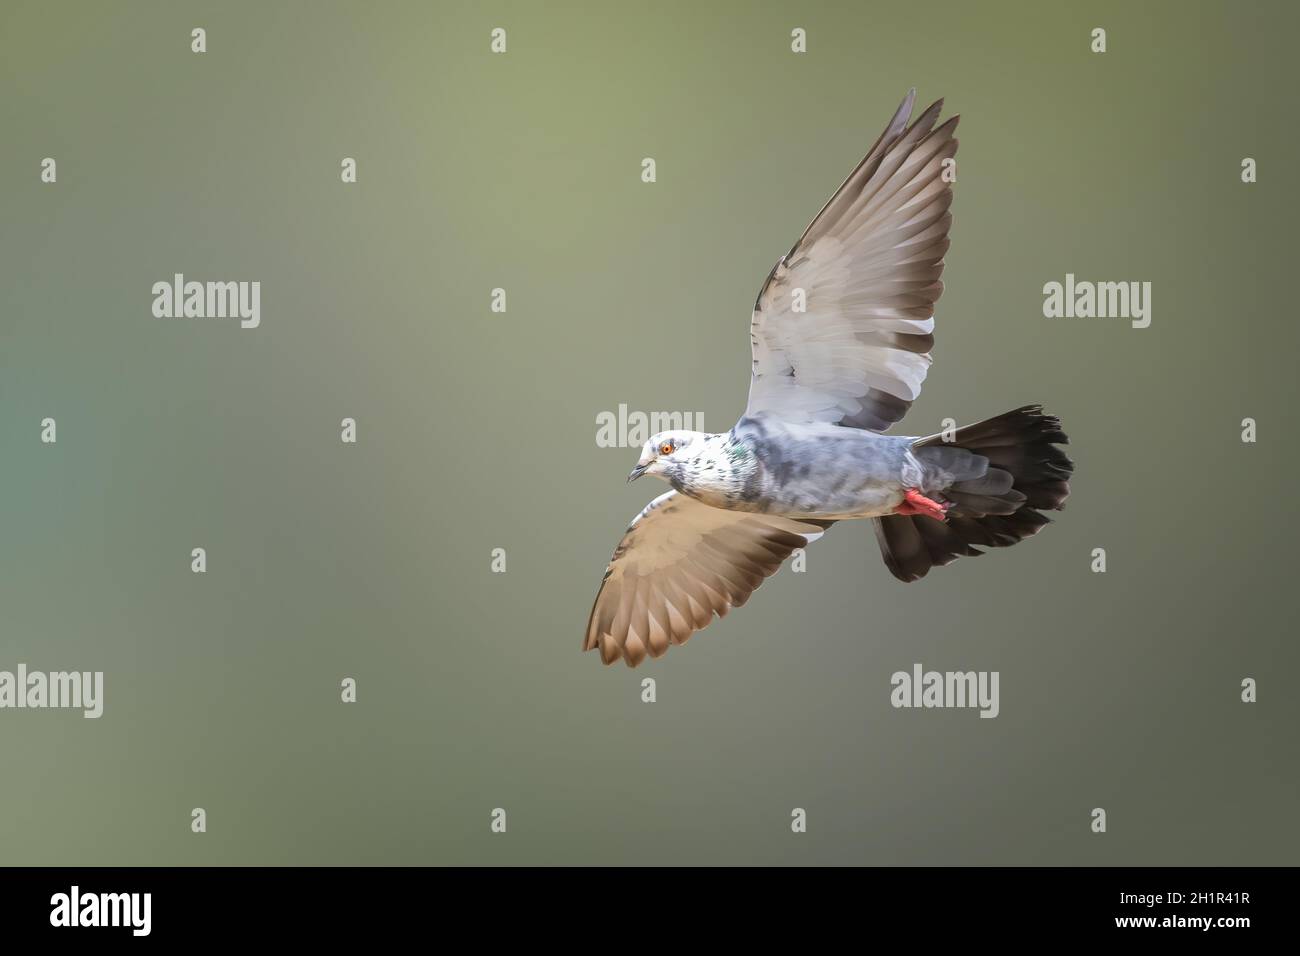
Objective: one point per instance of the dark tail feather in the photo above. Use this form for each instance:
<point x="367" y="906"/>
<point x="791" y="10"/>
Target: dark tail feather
<point x="1026" y="473"/>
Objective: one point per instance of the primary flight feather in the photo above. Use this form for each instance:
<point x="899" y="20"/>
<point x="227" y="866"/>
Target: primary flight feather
<point x="841" y="336"/>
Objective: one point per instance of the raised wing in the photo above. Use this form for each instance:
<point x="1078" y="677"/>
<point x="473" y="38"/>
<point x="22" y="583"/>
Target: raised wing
<point x="680" y="563"/>
<point x="842" y="330"/>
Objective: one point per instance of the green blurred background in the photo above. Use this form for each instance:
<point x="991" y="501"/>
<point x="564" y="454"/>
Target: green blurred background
<point x="477" y="430"/>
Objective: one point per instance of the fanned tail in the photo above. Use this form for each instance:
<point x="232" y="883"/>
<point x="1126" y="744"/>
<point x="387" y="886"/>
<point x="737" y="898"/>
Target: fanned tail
<point x="1026" y="474"/>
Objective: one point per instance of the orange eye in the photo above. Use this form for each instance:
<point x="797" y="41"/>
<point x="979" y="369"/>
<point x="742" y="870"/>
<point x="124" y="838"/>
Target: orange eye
<point x="666" y="448"/>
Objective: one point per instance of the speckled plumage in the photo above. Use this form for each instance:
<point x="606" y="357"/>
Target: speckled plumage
<point x="767" y="466"/>
<point x="841" y="335"/>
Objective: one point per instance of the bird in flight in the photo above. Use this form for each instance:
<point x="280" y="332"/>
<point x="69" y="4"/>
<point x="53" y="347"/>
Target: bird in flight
<point x="841" y="337"/>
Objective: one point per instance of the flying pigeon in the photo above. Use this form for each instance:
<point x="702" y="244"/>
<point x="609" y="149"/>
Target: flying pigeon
<point x="841" y="336"/>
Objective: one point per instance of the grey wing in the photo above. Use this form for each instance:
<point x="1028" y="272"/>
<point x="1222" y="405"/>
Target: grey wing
<point x="842" y="330"/>
<point x="680" y="563"/>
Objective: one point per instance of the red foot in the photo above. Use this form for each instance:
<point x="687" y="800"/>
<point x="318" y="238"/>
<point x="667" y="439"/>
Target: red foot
<point x="915" y="503"/>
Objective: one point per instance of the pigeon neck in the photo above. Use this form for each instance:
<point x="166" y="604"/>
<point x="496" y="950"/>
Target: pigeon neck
<point x="720" y="474"/>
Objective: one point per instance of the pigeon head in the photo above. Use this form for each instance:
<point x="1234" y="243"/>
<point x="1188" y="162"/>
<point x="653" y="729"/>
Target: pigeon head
<point x="664" y="452"/>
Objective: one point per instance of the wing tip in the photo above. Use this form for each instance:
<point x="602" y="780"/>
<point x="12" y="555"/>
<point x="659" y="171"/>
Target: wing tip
<point x="902" y="114"/>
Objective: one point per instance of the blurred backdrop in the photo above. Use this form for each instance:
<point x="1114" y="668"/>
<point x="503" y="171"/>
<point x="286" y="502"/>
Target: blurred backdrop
<point x="476" y="430"/>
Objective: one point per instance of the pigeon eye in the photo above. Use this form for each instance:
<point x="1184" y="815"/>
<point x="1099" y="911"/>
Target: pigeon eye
<point x="666" y="448"/>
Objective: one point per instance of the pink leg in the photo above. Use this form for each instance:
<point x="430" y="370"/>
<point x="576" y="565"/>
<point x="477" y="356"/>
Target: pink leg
<point x="915" y="503"/>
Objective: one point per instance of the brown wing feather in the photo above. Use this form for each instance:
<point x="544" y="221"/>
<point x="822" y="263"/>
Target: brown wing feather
<point x="679" y="564"/>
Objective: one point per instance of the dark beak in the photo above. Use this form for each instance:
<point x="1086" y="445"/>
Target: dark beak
<point x="637" y="472"/>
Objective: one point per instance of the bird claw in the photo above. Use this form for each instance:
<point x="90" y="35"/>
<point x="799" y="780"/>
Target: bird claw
<point x="915" y="503"/>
